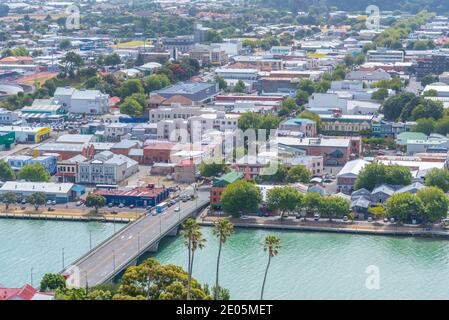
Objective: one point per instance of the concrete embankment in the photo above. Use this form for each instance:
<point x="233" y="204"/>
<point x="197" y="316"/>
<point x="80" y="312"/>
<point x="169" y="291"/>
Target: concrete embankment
<point x="347" y="228"/>
<point x="62" y="217"/>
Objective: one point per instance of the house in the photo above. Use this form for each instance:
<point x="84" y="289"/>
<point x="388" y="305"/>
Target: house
<point x="250" y="166"/>
<point x="412" y="188"/>
<point x="59" y="192"/>
<point x="218" y="186"/>
<point x="381" y="193"/>
<point x="124" y="146"/>
<point x="115" y="131"/>
<point x="348" y="174"/>
<point x="82" y="101"/>
<point x="106" y="168"/>
<point x="26" y="292"/>
<point x="8" y="117"/>
<point x="139" y="197"/>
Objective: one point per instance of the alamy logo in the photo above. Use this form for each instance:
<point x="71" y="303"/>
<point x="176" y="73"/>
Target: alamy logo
<point x="73" y="19"/>
<point x="372" y="282"/>
<point x="373" y="20"/>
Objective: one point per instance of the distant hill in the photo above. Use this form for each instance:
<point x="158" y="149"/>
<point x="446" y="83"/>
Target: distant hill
<point x="439" y="6"/>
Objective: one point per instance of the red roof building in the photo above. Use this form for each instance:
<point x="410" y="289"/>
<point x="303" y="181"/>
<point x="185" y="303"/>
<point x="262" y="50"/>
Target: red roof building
<point x="27" y="292"/>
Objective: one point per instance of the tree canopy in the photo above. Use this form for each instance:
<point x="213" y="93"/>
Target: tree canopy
<point x="241" y="197"/>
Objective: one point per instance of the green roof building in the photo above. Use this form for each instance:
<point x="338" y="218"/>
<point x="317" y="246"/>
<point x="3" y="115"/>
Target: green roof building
<point x="219" y="184"/>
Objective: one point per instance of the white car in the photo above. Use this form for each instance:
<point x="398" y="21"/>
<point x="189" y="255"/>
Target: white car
<point x="177" y="209"/>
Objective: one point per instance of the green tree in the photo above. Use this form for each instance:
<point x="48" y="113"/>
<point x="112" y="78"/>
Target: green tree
<point x="193" y="239"/>
<point x="222" y="84"/>
<point x="435" y="204"/>
<point x="380" y="94"/>
<point x="377" y="211"/>
<point x="249" y="120"/>
<point x="131" y="107"/>
<point x="6" y="172"/>
<point x="95" y="201"/>
<point x="283" y="200"/>
<point x="298" y="173"/>
<point x="65" y="44"/>
<point x="313" y="202"/>
<point x="424" y="125"/>
<point x="375" y="174"/>
<point x="272" y="245"/>
<point x="34" y="172"/>
<point x="112" y="60"/>
<point x="334" y="207"/>
<point x="312" y="116"/>
<point x="213" y="169"/>
<point x="429" y="79"/>
<point x="438" y="178"/>
<point x="393" y="106"/>
<point x="152" y="281"/>
<point x="72" y="62"/>
<point x="130" y="87"/>
<point x="52" y="282"/>
<point x="403" y="206"/>
<point x="223" y="229"/>
<point x="36" y="199"/>
<point x="8" y="198"/>
<point x="241" y="197"/>
<point x="239" y="87"/>
<point x="156" y="82"/>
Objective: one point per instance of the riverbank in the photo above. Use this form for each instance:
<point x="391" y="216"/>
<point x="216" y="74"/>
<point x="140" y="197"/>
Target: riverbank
<point x="326" y="226"/>
<point x="87" y="218"/>
<point x="70" y="214"/>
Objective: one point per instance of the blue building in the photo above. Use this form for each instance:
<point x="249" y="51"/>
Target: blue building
<point x="47" y="161"/>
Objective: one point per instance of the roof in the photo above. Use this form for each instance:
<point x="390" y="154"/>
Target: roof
<point x="125" y="144"/>
<point x="27" y="292"/>
<point x="361" y="202"/>
<point x="323" y="142"/>
<point x="186" y="88"/>
<point x="228" y="178"/>
<point x="352" y="168"/>
<point x="136" y="192"/>
<point x="178" y="99"/>
<point x="70" y="147"/>
<point x="298" y="121"/>
<point x="75" y="138"/>
<point x="48" y="187"/>
<point x="412" y="188"/>
<point x="383" y="189"/>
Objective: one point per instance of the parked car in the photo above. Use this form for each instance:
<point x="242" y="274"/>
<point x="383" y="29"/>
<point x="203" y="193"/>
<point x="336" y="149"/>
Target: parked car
<point x="370" y="219"/>
<point x="23" y="201"/>
<point x="316" y="217"/>
<point x="345" y="218"/>
<point x="50" y="209"/>
<point x="385" y="219"/>
<point x="53" y="202"/>
<point x="132" y="206"/>
<point x="177" y="209"/>
<point x="49" y="203"/>
<point x="121" y="205"/>
<point x="79" y="203"/>
<point x="110" y="204"/>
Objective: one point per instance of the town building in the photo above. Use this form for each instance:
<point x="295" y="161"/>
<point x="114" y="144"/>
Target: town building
<point x="106" y="168"/>
<point x="139" y="197"/>
<point x="82" y="101"/>
<point x="218" y="186"/>
<point x="305" y="126"/>
<point x="348" y="174"/>
<point x="59" y="192"/>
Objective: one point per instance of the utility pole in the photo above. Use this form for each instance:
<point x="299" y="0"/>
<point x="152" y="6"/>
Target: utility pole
<point x="63" y="258"/>
<point x="31" y="273"/>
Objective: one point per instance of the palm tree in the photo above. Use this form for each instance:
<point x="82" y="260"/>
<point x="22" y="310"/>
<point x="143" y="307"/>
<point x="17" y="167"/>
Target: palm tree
<point x="272" y="245"/>
<point x="223" y="229"/>
<point x="193" y="240"/>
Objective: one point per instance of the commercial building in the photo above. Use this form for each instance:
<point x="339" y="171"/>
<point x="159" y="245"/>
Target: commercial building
<point x="59" y="192"/>
<point x="7" y="140"/>
<point x="140" y="197"/>
<point x="384" y="55"/>
<point x="27" y="134"/>
<point x="82" y="101"/>
<point x="209" y="55"/>
<point x="346" y="124"/>
<point x="305" y="126"/>
<point x="106" y="168"/>
<point x="198" y="92"/>
<point x="218" y="186"/>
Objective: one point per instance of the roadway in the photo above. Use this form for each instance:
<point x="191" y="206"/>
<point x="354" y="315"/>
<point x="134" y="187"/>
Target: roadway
<point x="109" y="258"/>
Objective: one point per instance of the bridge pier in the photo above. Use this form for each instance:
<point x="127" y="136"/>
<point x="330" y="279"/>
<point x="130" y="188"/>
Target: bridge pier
<point x="154" y="247"/>
<point x="173" y="232"/>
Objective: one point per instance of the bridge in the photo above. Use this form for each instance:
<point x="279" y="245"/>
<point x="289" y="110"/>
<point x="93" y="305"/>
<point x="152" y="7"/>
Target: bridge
<point x="123" y="249"/>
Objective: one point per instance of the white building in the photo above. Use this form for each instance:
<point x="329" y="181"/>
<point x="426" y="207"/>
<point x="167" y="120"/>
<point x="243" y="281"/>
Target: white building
<point x="106" y="168"/>
<point x="82" y="101"/>
<point x="384" y="55"/>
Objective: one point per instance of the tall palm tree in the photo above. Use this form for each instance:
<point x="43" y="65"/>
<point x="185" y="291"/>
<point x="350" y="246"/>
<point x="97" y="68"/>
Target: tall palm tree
<point x="193" y="239"/>
<point x="223" y="229"/>
<point x="272" y="245"/>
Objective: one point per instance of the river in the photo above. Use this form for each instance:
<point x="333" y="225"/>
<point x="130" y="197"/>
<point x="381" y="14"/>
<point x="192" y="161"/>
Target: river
<point x="309" y="265"/>
<point x="31" y="248"/>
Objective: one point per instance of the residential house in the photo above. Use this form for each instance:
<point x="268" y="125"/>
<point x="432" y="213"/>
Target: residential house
<point x="220" y="184"/>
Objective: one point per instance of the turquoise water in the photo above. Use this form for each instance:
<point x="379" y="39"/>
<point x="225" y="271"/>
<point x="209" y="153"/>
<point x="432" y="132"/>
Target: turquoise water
<point x="309" y="265"/>
<point x="26" y="244"/>
<point x="320" y="265"/>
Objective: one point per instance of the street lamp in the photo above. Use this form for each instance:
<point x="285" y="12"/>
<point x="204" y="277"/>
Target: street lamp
<point x="138" y="242"/>
<point x="63" y="258"/>
<point x="31" y="273"/>
<point x="90" y="240"/>
<point x="113" y="259"/>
